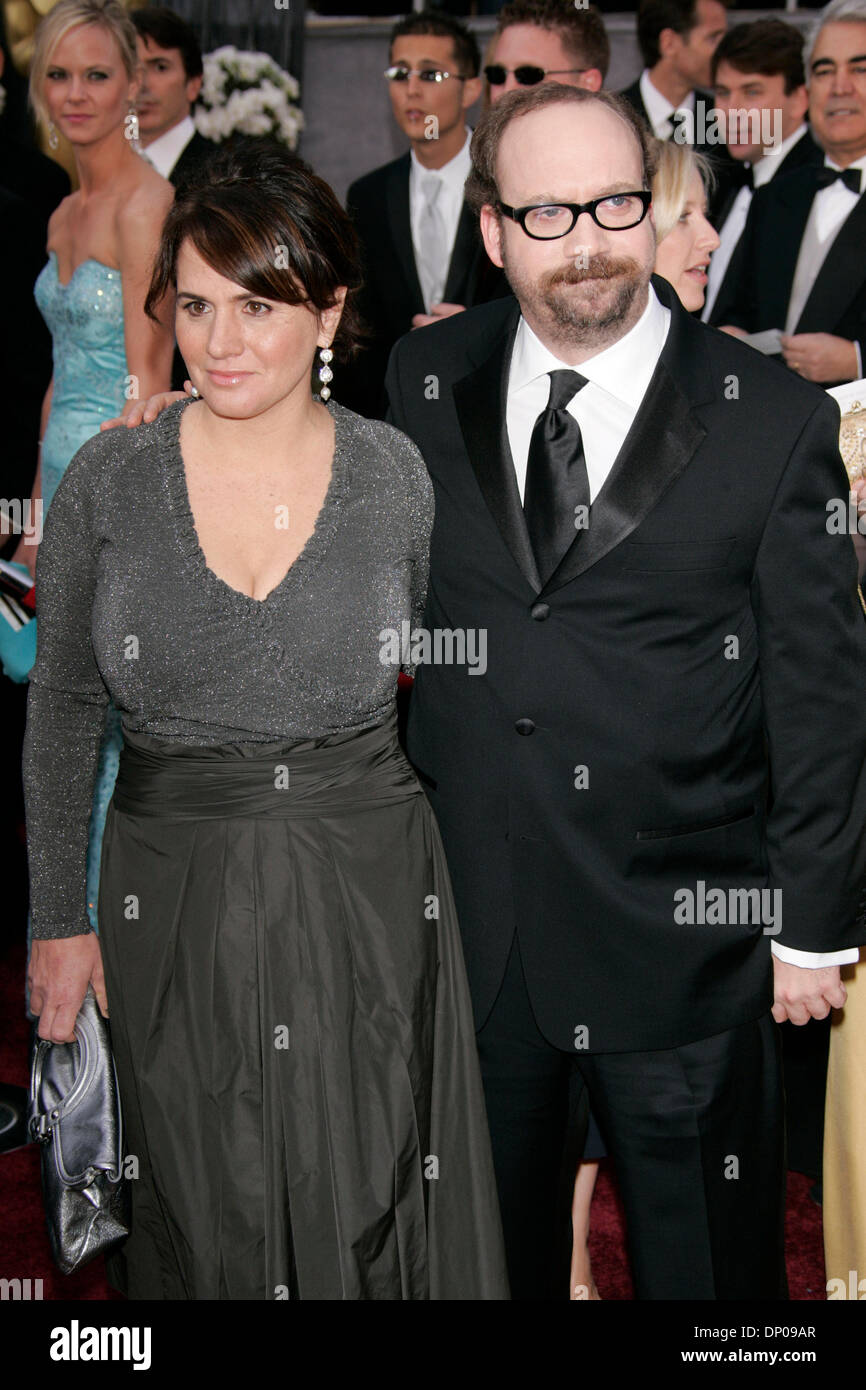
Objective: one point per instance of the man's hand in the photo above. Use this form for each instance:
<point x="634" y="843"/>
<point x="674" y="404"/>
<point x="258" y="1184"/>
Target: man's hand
<point x="804" y="994"/>
<point x="820" y="357"/>
<point x="137" y="411"/>
<point x="734" y="332"/>
<point x="58" y="974"/>
<point x="437" y="312"/>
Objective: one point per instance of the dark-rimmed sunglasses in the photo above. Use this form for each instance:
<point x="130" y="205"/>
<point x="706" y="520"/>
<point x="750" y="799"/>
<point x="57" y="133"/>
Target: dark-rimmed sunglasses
<point x="616" y="212"/>
<point x="527" y="74"/>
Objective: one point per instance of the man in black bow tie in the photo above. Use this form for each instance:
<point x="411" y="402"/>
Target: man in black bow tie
<point x="760" y="89"/>
<point x="653" y="801"/>
<point x="803" y="247"/>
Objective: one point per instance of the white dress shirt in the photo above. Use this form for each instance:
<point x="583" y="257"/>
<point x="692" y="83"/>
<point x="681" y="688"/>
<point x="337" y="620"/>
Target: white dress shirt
<point x="660" y="110"/>
<point x="166" y="150"/>
<point x="618" y="378"/>
<point x="763" y="170"/>
<point x="831" y="207"/>
<point x="605" y="409"/>
<point x="450" y="202"/>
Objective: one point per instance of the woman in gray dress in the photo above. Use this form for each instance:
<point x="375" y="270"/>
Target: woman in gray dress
<point x="289" y="1009"/>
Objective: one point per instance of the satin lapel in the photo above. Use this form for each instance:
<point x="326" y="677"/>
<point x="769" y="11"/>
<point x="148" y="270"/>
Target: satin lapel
<point x="397" y="199"/>
<point x="663" y="438"/>
<point x="480" y="399"/>
<point x="840" y="277"/>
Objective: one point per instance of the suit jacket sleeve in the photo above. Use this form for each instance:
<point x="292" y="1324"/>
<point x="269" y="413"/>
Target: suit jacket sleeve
<point x="812" y="662"/>
<point x="67" y="702"/>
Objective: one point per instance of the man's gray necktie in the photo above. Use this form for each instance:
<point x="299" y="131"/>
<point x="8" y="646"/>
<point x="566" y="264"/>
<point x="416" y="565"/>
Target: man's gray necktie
<point x="433" y="253"/>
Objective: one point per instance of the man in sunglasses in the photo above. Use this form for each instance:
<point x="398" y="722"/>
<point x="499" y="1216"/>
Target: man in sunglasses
<point x="547" y="41"/>
<point x="653" y="802"/>
<point x="421" y="252"/>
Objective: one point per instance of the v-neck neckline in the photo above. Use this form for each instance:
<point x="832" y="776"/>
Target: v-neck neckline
<point x="310" y="555"/>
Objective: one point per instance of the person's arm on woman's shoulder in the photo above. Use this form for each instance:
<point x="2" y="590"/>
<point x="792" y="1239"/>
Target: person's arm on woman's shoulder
<point x="149" y="346"/>
<point x="66" y="710"/>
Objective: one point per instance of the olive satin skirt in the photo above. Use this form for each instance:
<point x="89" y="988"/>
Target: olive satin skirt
<point x="292" y="1029"/>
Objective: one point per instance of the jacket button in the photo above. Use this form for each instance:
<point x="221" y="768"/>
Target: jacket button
<point x="540" y="611"/>
<point x="525" y="727"/>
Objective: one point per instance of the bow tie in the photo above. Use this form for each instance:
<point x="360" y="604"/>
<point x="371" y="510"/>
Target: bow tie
<point x="850" y="178"/>
<point x="743" y="176"/>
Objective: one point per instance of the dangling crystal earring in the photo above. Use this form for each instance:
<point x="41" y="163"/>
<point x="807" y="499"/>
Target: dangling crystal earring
<point x="53" y="141"/>
<point x="325" y="373"/>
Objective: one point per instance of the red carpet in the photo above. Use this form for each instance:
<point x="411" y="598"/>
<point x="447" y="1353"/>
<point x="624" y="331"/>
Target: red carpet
<point x="24" y="1252"/>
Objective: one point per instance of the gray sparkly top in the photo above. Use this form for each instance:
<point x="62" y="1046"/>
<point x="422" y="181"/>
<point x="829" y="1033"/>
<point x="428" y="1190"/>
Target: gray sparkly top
<point x="128" y="609"/>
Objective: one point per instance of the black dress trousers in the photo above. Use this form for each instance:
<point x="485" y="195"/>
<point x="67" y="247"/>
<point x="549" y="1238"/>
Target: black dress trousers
<point x="696" y="1134"/>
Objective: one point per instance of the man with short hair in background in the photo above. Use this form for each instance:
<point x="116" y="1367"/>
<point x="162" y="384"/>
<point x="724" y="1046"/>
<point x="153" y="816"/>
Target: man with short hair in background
<point x="760" y="90"/>
<point x="421" y="253"/>
<point x="547" y="41"/>
<point x="171" y="67"/>
<point x="677" y="39"/>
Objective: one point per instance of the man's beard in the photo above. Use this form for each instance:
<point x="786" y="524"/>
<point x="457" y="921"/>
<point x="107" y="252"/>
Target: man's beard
<point x="614" y="283"/>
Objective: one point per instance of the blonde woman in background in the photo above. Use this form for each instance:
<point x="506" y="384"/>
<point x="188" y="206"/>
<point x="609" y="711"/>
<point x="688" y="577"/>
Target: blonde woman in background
<point x="685" y="239"/>
<point x="101" y="243"/>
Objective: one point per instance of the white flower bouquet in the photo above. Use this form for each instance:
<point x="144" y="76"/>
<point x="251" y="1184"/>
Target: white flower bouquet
<point x="247" y="93"/>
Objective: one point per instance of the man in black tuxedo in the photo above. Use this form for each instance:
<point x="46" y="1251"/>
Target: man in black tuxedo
<point x="632" y="508"/>
<point x="677" y="39"/>
<point x="421" y="253"/>
<point x="171" y="66"/>
<point x="760" y="88"/>
<point x="803" y="246"/>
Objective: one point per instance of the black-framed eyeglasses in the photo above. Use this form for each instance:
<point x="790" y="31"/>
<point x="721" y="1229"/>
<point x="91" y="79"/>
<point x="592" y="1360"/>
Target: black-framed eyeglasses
<point x="616" y="212"/>
<point x="398" y="72"/>
<point x="527" y="75"/>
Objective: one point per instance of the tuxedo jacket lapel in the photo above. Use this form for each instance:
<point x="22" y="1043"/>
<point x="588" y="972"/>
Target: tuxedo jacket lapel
<point x="397" y="201"/>
<point x="480" y="399"/>
<point x="662" y="440"/>
<point x="840" y="277"/>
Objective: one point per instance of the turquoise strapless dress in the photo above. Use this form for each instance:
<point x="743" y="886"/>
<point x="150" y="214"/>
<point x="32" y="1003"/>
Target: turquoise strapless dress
<point x="85" y="319"/>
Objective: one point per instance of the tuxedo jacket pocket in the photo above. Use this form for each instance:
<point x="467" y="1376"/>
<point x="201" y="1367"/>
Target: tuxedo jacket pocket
<point x="659" y="557"/>
<point x="717" y="822"/>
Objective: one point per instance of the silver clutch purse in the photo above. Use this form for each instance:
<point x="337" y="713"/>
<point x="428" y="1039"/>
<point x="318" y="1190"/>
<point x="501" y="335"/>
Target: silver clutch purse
<point x="74" y="1113"/>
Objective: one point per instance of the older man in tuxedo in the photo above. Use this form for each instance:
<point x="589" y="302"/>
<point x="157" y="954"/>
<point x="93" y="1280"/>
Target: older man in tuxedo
<point x="653" y="800"/>
<point x="804" y="263"/>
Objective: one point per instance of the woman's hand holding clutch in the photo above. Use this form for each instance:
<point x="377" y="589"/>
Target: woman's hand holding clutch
<point x="58" y="973"/>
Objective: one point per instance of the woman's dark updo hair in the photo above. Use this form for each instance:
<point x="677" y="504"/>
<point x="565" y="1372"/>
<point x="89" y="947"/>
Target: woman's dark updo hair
<point x="259" y="216"/>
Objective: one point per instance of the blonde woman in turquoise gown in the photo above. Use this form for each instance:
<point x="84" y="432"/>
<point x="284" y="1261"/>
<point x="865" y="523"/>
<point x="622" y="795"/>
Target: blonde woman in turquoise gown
<point x="101" y="242"/>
